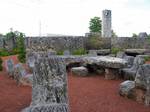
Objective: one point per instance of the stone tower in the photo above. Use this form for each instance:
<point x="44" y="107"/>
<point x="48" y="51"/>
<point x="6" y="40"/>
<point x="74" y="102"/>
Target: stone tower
<point x="106" y="23"/>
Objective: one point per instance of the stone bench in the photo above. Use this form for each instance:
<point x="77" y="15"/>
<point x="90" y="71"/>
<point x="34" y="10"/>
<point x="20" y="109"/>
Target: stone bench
<point x="139" y="89"/>
<point x="100" y="52"/>
<point x="134" y="52"/>
<point x="79" y="71"/>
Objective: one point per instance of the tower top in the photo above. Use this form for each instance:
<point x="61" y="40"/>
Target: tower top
<point x="106" y="23"/>
<point x="107" y="13"/>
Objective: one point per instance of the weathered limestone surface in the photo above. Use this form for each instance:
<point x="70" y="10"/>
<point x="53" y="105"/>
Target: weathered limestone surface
<point x="92" y="53"/>
<point x="130" y="60"/>
<point x="130" y="73"/>
<point x="79" y="71"/>
<point x="140" y="88"/>
<point x="58" y="43"/>
<point x="49" y="89"/>
<point x="127" y="89"/>
<point x="67" y="52"/>
<point x="136" y="51"/>
<point x="72" y="59"/>
<point x="106" y="23"/>
<point x="106" y="61"/>
<point x="31" y="56"/>
<point x="47" y="108"/>
<point x="100" y="52"/>
<point x="130" y="43"/>
<point x="1" y="42"/>
<point x="111" y="74"/>
<point x="19" y="72"/>
<point x="27" y="80"/>
<point x="110" y="64"/>
<point x="10" y="67"/>
<point x="69" y="59"/>
<point x="120" y="54"/>
<point x="143" y="76"/>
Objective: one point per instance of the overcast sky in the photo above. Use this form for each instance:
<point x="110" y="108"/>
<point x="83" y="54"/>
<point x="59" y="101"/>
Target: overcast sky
<point x="71" y="17"/>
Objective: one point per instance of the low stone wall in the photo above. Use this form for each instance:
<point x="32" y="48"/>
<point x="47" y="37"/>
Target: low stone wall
<point x="57" y="43"/>
<point x="77" y="42"/>
<point x="130" y="42"/>
<point x="62" y="43"/>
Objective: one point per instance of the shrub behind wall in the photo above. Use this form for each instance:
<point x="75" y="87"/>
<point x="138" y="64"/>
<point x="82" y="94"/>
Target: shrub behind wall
<point x="95" y="42"/>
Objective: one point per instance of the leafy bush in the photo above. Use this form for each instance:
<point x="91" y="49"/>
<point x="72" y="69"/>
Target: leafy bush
<point x="80" y="51"/>
<point x="60" y="52"/>
<point x="22" y="57"/>
<point x="4" y="52"/>
<point x="1" y="61"/>
<point x="115" y="50"/>
<point x="95" y="24"/>
<point x="147" y="58"/>
<point x="19" y="48"/>
<point x="94" y="43"/>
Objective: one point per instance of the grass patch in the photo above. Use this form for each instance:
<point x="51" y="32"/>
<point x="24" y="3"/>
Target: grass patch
<point x="80" y="51"/>
<point x="147" y="58"/>
<point x="115" y="50"/>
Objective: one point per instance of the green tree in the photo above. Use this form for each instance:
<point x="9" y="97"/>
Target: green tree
<point x="134" y="35"/>
<point x="114" y="34"/>
<point x="11" y="35"/>
<point x="95" y="24"/>
<point x="18" y="44"/>
<point x="21" y="46"/>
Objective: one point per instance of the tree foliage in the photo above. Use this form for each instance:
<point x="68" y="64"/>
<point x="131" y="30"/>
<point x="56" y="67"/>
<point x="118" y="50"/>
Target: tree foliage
<point x="114" y="34"/>
<point x="134" y="35"/>
<point x="95" y="24"/>
<point x="94" y="43"/>
<point x="18" y="45"/>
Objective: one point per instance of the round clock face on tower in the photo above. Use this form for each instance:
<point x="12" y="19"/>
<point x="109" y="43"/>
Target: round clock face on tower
<point x="106" y="13"/>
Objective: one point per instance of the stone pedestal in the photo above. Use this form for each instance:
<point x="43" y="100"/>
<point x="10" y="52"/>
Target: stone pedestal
<point x="111" y="73"/>
<point x="49" y="89"/>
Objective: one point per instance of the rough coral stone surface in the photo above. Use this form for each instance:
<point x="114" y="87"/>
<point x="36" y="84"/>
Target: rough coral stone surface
<point x="127" y="89"/>
<point x="143" y="74"/>
<point x="79" y="71"/>
<point x="49" y="89"/>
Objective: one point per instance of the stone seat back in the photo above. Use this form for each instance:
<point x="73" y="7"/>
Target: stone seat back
<point x="130" y="73"/>
<point x="19" y="72"/>
<point x="130" y="60"/>
<point x="143" y="76"/>
<point x="49" y="87"/>
<point x="120" y="54"/>
<point x="10" y="67"/>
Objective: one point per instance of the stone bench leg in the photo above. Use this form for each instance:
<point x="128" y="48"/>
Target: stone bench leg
<point x="111" y="73"/>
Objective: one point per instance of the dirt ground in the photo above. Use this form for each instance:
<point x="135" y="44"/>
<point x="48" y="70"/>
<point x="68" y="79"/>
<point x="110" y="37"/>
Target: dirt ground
<point x="86" y="94"/>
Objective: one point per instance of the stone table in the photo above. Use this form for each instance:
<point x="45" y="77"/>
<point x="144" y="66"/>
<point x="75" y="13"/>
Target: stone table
<point x="135" y="52"/>
<point x="110" y="64"/>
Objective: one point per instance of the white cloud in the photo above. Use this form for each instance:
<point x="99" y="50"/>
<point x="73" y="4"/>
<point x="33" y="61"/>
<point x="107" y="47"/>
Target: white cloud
<point x="72" y="16"/>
